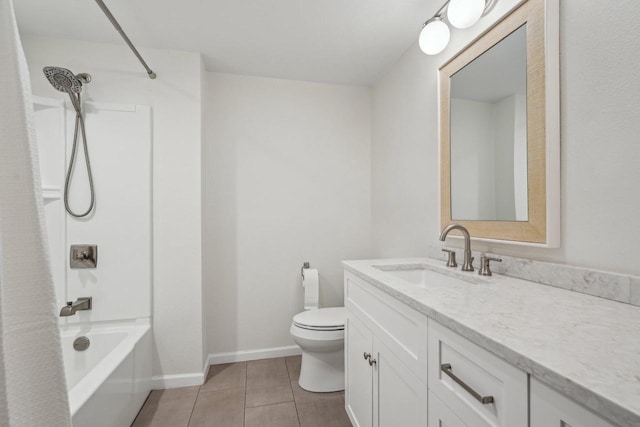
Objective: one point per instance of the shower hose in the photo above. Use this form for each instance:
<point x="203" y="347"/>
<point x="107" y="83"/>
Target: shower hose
<point x="74" y="151"/>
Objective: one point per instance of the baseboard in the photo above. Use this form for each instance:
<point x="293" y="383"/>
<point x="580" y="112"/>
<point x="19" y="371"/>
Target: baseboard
<point x="162" y="382"/>
<point x="205" y="368"/>
<point x="262" y="353"/>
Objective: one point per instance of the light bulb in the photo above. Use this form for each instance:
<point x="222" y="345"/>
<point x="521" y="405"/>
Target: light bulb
<point x="464" y="13"/>
<point x="434" y="37"/>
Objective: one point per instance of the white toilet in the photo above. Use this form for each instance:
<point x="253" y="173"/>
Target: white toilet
<point x="320" y="334"/>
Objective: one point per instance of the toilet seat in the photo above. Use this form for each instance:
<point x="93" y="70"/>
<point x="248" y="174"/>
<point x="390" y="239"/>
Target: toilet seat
<point x="321" y="319"/>
<point x="316" y="334"/>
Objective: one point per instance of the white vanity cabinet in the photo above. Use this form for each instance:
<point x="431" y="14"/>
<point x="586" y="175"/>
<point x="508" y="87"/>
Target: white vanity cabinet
<point x="551" y="409"/>
<point x="392" y="380"/>
<point x="385" y="360"/>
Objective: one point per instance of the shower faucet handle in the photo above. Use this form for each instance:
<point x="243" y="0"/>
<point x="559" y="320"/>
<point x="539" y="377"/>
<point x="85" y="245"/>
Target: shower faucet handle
<point x="83" y="256"/>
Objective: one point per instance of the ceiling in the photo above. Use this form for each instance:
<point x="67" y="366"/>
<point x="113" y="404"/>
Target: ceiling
<point x="335" y="41"/>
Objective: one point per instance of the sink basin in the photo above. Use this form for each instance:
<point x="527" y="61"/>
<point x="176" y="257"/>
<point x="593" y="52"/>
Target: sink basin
<point x="423" y="273"/>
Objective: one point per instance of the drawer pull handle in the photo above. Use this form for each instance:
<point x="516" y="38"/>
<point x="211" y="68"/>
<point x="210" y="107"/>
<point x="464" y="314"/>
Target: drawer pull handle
<point x="446" y="368"/>
<point x="366" y="355"/>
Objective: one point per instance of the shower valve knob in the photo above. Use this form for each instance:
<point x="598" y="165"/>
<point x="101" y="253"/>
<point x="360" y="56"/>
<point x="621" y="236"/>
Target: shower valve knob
<point x="83" y="256"/>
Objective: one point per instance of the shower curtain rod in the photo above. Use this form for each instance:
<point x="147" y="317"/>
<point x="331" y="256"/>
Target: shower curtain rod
<point x="119" y="29"/>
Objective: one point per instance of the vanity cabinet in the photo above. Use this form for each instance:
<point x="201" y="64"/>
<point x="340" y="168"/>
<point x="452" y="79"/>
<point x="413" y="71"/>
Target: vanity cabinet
<point x="551" y="409"/>
<point x="382" y="389"/>
<point x="392" y="380"/>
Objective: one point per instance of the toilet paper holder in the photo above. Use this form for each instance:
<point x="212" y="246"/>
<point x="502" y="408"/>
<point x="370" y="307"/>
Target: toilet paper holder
<point x="305" y="265"/>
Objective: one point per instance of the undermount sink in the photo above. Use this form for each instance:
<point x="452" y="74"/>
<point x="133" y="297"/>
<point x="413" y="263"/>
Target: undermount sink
<point x="421" y="274"/>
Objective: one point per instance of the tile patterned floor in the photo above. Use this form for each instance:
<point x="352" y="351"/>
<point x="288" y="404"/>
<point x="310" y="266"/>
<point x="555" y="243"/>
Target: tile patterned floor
<point x="260" y="393"/>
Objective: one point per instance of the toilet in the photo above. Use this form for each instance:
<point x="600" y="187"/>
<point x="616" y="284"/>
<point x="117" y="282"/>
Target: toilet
<point x="320" y="334"/>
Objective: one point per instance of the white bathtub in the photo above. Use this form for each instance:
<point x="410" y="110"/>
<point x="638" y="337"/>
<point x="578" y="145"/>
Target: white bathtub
<point x="109" y="381"/>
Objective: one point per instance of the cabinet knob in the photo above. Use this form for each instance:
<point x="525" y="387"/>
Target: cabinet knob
<point x="367" y="356"/>
<point x="372" y="361"/>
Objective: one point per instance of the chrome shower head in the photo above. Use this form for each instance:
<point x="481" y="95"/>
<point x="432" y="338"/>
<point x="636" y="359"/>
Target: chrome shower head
<point x="64" y="80"/>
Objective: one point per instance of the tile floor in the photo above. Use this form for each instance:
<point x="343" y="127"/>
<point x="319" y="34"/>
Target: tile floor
<point x="262" y="393"/>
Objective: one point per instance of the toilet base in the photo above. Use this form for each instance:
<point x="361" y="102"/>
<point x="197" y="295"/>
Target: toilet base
<point x="322" y="371"/>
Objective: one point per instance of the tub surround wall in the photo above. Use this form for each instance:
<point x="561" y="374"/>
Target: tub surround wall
<point x="121" y="285"/>
<point x="599" y="150"/>
<point x="286" y="180"/>
<point x="175" y="100"/>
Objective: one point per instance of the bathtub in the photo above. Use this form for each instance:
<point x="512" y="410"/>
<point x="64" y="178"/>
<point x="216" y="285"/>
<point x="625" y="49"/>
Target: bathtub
<point x="110" y="380"/>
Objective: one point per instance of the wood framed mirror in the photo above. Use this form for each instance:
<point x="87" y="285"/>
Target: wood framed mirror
<point x="499" y="130"/>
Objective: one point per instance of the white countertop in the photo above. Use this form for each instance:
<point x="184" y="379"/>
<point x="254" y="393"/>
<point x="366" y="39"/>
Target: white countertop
<point x="586" y="347"/>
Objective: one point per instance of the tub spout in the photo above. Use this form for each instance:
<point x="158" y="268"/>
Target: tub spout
<point x="70" y="309"/>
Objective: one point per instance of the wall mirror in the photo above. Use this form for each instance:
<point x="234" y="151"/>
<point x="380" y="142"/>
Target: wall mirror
<point x="499" y="130"/>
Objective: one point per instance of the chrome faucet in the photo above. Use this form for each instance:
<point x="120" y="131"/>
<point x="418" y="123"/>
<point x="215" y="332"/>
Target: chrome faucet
<point x="70" y="309"/>
<point x="467" y="264"/>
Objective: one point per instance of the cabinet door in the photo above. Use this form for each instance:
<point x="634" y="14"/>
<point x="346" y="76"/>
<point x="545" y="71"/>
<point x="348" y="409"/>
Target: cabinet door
<point x="440" y="415"/>
<point x="359" y="375"/>
<point x="551" y="409"/>
<point x="400" y="398"/>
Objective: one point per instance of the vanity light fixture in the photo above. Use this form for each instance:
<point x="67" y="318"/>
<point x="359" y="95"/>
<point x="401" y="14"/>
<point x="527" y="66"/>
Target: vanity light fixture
<point x="435" y="36"/>
<point x="465" y="13"/>
<point x="435" y="33"/>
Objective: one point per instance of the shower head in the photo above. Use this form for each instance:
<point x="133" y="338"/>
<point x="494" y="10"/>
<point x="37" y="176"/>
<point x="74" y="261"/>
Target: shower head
<point x="64" y="80"/>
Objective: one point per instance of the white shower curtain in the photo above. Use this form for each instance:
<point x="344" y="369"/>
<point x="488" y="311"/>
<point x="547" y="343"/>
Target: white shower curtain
<point x="32" y="384"/>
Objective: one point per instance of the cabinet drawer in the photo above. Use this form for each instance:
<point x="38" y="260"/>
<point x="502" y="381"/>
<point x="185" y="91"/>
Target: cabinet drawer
<point x="461" y="373"/>
<point x="397" y="325"/>
<point x="551" y="409"/>
<point x="440" y="415"/>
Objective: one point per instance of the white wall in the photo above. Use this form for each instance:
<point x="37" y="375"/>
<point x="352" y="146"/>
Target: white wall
<point x="488" y="141"/>
<point x="473" y="160"/>
<point x="176" y="109"/>
<point x="504" y="121"/>
<point x="286" y="180"/>
<point x="520" y="158"/>
<point x="600" y="105"/>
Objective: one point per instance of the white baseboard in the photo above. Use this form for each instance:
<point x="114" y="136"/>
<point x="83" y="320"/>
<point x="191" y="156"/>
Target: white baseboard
<point x="205" y="368"/>
<point x="261" y="353"/>
<point x="162" y="382"/>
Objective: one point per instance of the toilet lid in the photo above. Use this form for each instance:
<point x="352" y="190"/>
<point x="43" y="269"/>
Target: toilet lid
<point x="322" y="318"/>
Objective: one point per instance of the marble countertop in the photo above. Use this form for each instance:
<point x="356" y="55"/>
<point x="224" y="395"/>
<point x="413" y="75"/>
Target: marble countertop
<point x="586" y="347"/>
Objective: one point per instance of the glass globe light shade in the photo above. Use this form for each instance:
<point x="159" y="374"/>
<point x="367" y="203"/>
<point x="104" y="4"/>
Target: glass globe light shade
<point x="434" y="37"/>
<point x="464" y="13"/>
